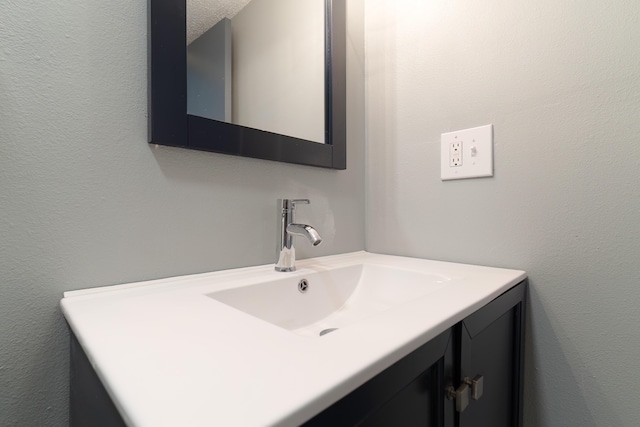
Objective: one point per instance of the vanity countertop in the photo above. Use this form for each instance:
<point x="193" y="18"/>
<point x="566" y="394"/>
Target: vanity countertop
<point x="169" y="355"/>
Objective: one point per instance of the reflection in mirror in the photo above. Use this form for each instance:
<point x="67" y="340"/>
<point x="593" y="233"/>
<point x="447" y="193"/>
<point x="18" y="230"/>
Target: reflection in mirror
<point x="258" y="64"/>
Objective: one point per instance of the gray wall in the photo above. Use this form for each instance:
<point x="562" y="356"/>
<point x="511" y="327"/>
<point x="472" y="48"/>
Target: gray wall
<point x="560" y="81"/>
<point x="86" y="202"/>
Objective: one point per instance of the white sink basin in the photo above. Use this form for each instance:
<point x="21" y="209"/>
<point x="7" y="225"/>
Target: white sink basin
<point x="333" y="299"/>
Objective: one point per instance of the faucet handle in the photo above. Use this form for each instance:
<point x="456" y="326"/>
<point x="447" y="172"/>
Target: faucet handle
<point x="290" y="204"/>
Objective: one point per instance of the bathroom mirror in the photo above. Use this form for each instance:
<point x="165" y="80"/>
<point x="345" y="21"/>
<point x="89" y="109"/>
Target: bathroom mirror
<point x="175" y="121"/>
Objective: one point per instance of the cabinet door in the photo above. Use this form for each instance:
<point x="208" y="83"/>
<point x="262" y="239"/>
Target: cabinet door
<point x="90" y="404"/>
<point x="491" y="347"/>
<point x="409" y="393"/>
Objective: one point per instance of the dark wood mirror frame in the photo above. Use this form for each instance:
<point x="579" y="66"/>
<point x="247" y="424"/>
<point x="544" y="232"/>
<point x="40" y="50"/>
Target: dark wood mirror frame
<point x="169" y="123"/>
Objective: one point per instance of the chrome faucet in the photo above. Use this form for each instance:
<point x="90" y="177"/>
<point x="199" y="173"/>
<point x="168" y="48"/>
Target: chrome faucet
<point x="287" y="229"/>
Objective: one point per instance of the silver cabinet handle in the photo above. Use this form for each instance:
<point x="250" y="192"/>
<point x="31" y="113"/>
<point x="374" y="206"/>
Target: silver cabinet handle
<point x="470" y="388"/>
<point x="477" y="386"/>
<point x="461" y="396"/>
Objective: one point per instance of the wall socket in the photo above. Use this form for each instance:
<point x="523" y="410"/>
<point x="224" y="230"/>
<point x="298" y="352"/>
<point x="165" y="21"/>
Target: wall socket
<point x="455" y="154"/>
<point x="467" y="153"/>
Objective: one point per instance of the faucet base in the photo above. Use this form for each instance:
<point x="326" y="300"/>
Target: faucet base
<point x="286" y="260"/>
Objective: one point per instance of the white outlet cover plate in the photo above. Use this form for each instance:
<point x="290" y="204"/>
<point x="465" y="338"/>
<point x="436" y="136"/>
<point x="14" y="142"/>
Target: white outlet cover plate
<point x="477" y="153"/>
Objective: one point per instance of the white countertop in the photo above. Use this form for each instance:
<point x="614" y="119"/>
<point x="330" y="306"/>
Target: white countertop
<point x="168" y="355"/>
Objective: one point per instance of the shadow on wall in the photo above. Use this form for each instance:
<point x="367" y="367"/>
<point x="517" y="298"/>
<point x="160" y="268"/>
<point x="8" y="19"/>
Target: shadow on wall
<point x="40" y="371"/>
<point x="572" y="387"/>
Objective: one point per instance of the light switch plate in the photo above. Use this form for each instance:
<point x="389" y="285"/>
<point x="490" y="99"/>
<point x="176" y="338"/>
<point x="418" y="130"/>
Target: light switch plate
<point x="467" y="153"/>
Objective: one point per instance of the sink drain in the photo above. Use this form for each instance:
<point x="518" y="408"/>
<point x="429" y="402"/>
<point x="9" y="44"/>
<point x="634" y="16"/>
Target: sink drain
<point x="303" y="285"/>
<point x="326" y="331"/>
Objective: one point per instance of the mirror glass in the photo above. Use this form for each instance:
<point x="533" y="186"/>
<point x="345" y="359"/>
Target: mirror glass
<point x="259" y="64"/>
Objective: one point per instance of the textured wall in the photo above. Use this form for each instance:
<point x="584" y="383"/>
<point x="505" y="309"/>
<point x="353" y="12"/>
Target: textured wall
<point x="85" y="201"/>
<point x="560" y="81"/>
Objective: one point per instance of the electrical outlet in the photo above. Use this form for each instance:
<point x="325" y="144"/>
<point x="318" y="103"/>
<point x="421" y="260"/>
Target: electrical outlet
<point x="455" y="154"/>
<point x="467" y="153"/>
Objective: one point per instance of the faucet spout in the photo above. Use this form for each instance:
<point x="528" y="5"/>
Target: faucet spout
<point x="307" y="231"/>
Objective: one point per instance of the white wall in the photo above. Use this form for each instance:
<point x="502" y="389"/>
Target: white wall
<point x="560" y="81"/>
<point x="85" y="201"/>
<point x="278" y="67"/>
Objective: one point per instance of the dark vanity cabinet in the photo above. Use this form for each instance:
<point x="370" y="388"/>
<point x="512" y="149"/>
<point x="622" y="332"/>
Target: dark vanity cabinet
<point x="409" y="393"/>
<point x="468" y="376"/>
<point x="491" y="344"/>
